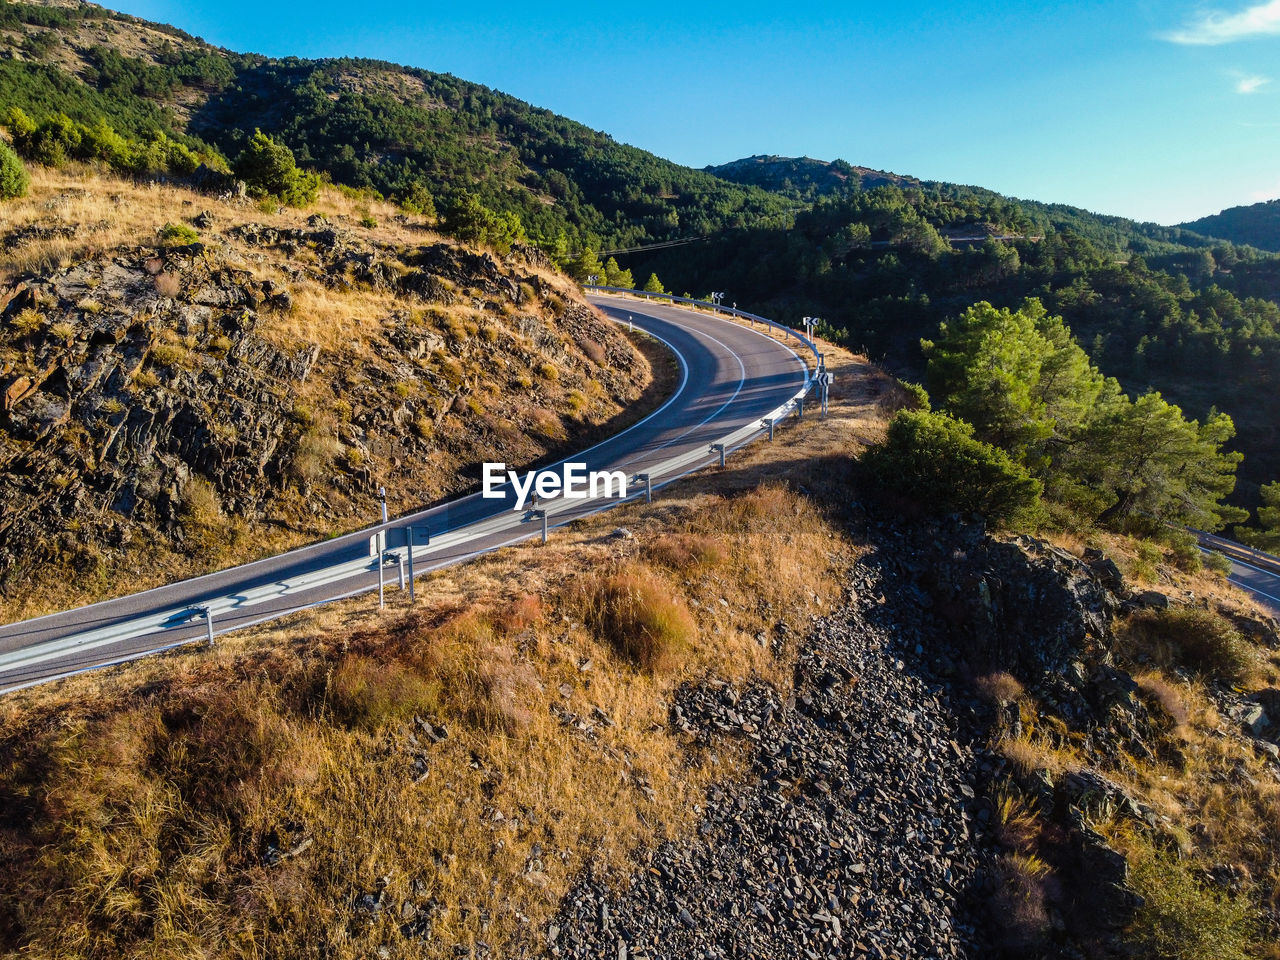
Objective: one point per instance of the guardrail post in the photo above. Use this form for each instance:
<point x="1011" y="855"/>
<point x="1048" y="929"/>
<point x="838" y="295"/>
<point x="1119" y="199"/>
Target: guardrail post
<point x="400" y="564"/>
<point x="408" y="534"/>
<point x="382" y="562"/>
<point x="718" y="448"/>
<point x="542" y="515"/>
<point x="647" y="480"/>
<point x="768" y="422"/>
<point x="800" y="408"/>
<point x="208" y="622"/>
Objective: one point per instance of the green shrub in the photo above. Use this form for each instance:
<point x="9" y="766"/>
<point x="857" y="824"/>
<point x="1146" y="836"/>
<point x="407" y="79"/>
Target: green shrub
<point x="369" y="223"/>
<point x="417" y="199"/>
<point x="52" y="142"/>
<point x="1185" y="549"/>
<point x="14" y="180"/>
<point x="269" y="170"/>
<point x="177" y="235"/>
<point x="1199" y="640"/>
<point x="1217" y="562"/>
<point x="934" y="462"/>
<point x="1146" y="564"/>
<point x="1182" y="919"/>
<point x="917" y="397"/>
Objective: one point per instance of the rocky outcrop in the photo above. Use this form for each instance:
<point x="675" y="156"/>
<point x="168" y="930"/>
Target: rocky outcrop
<point x="115" y="394"/>
<point x="870" y="822"/>
<point x="125" y="378"/>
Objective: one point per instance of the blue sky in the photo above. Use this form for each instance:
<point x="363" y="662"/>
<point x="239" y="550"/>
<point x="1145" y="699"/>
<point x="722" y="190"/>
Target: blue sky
<point x="1161" y="111"/>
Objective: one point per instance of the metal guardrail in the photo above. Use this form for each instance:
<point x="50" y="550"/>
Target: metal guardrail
<point x="715" y="307"/>
<point x="659" y="475"/>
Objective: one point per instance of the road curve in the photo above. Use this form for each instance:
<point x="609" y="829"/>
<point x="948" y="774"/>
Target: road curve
<point x="731" y="377"/>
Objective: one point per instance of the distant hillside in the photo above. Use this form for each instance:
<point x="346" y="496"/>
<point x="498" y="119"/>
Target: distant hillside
<point x="804" y="177"/>
<point x="1257" y="225"/>
<point x="366" y="124"/>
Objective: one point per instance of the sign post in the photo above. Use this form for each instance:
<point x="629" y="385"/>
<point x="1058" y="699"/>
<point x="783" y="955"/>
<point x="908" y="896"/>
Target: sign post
<point x="540" y="515"/>
<point x="407" y="537"/>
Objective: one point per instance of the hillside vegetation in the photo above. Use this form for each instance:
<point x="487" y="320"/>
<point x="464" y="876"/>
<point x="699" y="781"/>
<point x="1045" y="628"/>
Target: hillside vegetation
<point x="1154" y="307"/>
<point x="1257" y="225"/>
<point x="407" y="133"/>
<point x="883" y="258"/>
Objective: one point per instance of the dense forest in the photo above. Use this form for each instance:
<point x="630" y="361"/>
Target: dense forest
<point x="1257" y="225"/>
<point x="1157" y="308"/>
<point x="804" y="178"/>
<point x="397" y="131"/>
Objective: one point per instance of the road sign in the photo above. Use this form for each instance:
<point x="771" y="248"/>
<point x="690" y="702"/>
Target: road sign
<point x="399" y="537"/>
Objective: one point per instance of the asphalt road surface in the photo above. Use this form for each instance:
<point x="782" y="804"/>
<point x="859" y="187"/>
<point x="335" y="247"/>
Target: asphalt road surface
<point x="1263" y="585"/>
<point x="731" y="377"/>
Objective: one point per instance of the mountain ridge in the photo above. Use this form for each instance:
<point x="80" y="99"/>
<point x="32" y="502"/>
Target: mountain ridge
<point x="1256" y="224"/>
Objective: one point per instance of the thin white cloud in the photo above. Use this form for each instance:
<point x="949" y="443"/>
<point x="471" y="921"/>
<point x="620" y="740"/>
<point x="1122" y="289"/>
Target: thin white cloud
<point x="1252" y="83"/>
<point x="1217" y="27"/>
<point x="1268" y="193"/>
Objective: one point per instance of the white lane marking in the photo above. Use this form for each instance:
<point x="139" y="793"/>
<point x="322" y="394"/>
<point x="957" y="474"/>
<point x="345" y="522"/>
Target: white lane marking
<point x="1261" y="593"/>
<point x="742" y="379"/>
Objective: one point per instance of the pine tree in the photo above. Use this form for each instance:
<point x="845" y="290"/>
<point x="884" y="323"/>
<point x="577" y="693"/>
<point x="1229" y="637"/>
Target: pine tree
<point x="1268" y="536"/>
<point x="13" y="175"/>
<point x="269" y="169"/>
<point x="589" y="266"/>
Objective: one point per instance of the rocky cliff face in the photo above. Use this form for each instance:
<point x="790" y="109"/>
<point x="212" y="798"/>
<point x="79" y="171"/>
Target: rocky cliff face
<point x="165" y="397"/>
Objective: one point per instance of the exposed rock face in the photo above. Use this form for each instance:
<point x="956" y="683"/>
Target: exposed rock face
<point x="868" y="824"/>
<point x="125" y="377"/>
<point x="122" y="394"/>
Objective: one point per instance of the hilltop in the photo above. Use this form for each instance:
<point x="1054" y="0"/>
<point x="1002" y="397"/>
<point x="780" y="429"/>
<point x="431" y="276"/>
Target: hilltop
<point x="805" y="178"/>
<point x="1257" y="225"/>
<point x="420" y="134"/>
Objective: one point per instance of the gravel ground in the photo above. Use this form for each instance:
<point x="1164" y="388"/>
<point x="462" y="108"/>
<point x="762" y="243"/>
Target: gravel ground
<point x="856" y="833"/>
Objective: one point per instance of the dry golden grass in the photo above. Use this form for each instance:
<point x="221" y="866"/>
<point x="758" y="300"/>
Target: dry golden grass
<point x="149" y="794"/>
<point x="1216" y="796"/>
<point x="111" y="212"/>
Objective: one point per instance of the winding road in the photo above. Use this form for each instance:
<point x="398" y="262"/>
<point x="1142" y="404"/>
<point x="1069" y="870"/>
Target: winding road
<point x="731" y="378"/>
